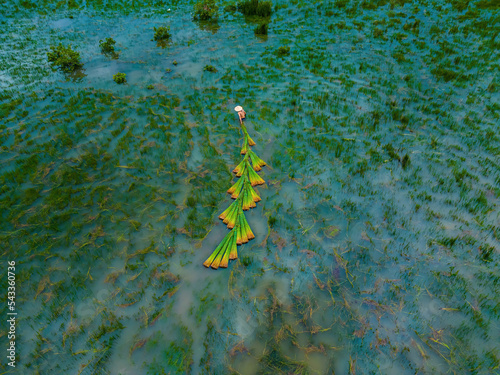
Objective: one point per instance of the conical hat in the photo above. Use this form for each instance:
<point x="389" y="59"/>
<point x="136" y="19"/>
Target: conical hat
<point x="238" y="108"/>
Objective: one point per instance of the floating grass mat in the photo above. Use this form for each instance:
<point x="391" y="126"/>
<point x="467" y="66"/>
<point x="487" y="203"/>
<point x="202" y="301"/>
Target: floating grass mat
<point x="245" y="198"/>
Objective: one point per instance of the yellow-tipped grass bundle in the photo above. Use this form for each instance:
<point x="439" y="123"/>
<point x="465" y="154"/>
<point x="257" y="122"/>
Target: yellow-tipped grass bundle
<point x="247" y="137"/>
<point x="244" y="203"/>
<point x="246" y="228"/>
<point x="250" y="140"/>
<point x="240" y="166"/>
<point x="247" y="202"/>
<point x="228" y="210"/>
<point x="254" y="178"/>
<point x="237" y="186"/>
<point x="230" y="219"/>
<point x="245" y="147"/>
<point x="234" y="252"/>
<point x="245" y="167"/>
<point x="257" y="162"/>
<point x="242" y="233"/>
<point x="229" y="249"/>
<point x="219" y="249"/>
<point x="254" y="194"/>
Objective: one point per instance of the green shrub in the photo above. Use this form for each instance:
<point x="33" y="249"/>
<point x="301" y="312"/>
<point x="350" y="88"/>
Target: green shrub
<point x="255" y="8"/>
<point x="65" y="58"/>
<point x="120" y="78"/>
<point x="261" y="29"/>
<point x="405" y="162"/>
<point x="230" y="8"/>
<point x="162" y="33"/>
<point x="210" y="68"/>
<point x="107" y="46"/>
<point x="283" y="51"/>
<point x="205" y="10"/>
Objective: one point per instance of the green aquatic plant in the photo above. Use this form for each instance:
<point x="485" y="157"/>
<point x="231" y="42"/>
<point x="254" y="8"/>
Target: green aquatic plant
<point x="283" y="51"/>
<point x="108" y="45"/>
<point x="245" y="197"/>
<point x="162" y="33"/>
<point x="210" y="68"/>
<point x="65" y="58"/>
<point x="255" y="8"/>
<point x="120" y="78"/>
<point x="205" y="10"/>
<point x="261" y="29"/>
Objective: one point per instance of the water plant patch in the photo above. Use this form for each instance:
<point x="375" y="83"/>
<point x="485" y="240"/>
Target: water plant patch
<point x="65" y="58"/>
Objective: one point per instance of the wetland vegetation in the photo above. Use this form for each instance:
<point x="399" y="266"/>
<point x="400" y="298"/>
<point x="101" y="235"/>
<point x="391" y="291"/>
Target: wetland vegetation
<point x="377" y="236"/>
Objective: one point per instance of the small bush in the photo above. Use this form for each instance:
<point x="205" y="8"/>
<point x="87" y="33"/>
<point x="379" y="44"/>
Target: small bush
<point x="231" y="8"/>
<point x="65" y="58"/>
<point x="210" y="68"/>
<point x="283" y="51"/>
<point x="120" y="78"/>
<point x="205" y="10"/>
<point x="162" y="33"/>
<point x="255" y="8"/>
<point x="261" y="29"/>
<point x="107" y="46"/>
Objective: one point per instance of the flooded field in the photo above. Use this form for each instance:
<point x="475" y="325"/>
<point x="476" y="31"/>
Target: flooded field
<point x="377" y="239"/>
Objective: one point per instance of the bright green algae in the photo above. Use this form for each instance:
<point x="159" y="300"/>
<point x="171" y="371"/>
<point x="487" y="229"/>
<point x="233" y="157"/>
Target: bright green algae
<point x="363" y="260"/>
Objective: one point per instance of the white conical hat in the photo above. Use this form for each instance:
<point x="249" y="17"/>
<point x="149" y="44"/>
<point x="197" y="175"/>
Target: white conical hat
<point x="238" y="108"/>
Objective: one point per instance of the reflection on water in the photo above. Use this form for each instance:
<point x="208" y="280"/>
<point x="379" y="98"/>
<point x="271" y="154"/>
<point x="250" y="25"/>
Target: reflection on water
<point x="364" y="261"/>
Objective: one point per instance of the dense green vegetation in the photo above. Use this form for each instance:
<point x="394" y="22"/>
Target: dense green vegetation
<point x="120" y="78"/>
<point x="162" y="33"/>
<point x="65" y="58"/>
<point x="205" y="10"/>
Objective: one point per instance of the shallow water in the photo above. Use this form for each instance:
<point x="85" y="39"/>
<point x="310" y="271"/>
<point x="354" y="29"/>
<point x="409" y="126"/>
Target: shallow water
<point x="111" y="193"/>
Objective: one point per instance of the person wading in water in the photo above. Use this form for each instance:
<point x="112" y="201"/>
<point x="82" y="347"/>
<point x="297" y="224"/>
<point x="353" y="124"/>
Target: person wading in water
<point x="241" y="113"/>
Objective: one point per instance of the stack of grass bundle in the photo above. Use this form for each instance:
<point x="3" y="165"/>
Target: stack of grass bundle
<point x="245" y="197"/>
